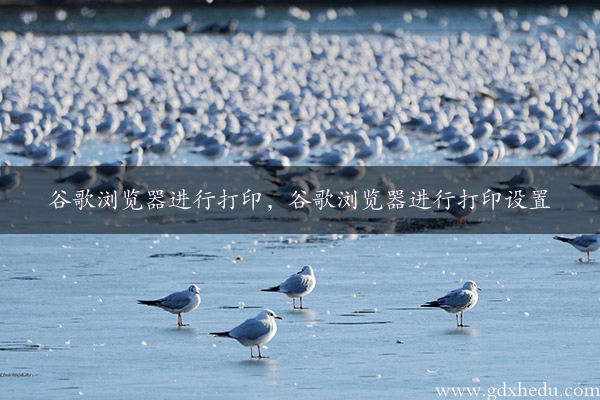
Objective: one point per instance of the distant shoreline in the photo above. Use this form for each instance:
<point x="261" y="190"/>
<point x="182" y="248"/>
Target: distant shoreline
<point x="281" y="3"/>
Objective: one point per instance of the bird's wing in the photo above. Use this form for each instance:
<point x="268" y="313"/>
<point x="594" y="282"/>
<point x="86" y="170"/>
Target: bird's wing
<point x="456" y="298"/>
<point x="585" y="240"/>
<point x="250" y="329"/>
<point x="175" y="300"/>
<point x="295" y="284"/>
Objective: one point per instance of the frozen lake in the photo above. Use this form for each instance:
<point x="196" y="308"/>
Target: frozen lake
<point x="71" y="326"/>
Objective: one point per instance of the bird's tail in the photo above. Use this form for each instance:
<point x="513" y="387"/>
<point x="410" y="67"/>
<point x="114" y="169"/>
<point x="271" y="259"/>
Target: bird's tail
<point x="147" y="302"/>
<point x="562" y="239"/>
<point x="226" y="334"/>
<point x="431" y="304"/>
<point x="271" y="289"/>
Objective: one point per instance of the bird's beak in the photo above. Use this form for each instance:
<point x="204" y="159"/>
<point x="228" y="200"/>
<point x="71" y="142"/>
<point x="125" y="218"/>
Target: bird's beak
<point x="277" y="317"/>
<point x="478" y="288"/>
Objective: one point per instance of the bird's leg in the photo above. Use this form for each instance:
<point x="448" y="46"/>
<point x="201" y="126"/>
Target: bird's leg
<point x="251" y="354"/>
<point x="461" y="320"/>
<point x="180" y="320"/>
<point x="457" y="324"/>
<point x="259" y="353"/>
<point x="301" y="302"/>
<point x="588" y="253"/>
<point x="294" y="302"/>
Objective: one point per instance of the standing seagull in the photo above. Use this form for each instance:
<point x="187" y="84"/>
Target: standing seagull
<point x="457" y="301"/>
<point x="178" y="302"/>
<point x="297" y="285"/>
<point x="9" y="181"/>
<point x="254" y="331"/>
<point x="583" y="243"/>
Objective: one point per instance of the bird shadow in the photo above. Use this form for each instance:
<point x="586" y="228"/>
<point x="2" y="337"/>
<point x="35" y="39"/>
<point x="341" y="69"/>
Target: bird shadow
<point x="183" y="330"/>
<point x="305" y="313"/>
<point x="465" y="330"/>
<point x="268" y="365"/>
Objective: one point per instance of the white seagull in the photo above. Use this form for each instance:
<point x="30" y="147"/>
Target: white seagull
<point x="587" y="160"/>
<point x="178" y="302"/>
<point x="254" y="331"/>
<point x="298" y="285"/>
<point x="583" y="243"/>
<point x="457" y="301"/>
<point x="63" y="162"/>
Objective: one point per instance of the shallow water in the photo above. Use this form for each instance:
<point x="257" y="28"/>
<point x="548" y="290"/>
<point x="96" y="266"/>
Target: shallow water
<point x="71" y="325"/>
<point x="278" y="19"/>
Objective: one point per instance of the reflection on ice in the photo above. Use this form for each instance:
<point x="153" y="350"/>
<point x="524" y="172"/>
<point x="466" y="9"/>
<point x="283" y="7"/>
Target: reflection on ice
<point x="472" y="332"/>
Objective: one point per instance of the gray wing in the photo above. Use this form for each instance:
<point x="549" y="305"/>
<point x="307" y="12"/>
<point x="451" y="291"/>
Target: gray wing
<point x="78" y="178"/>
<point x="56" y="162"/>
<point x="250" y="329"/>
<point x="585" y="240"/>
<point x="6" y="180"/>
<point x="295" y="284"/>
<point x="175" y="300"/>
<point x="456" y="299"/>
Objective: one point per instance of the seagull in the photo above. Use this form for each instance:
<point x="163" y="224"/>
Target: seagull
<point x="524" y="178"/>
<point x="81" y="179"/>
<point x="460" y="208"/>
<point x="296" y="184"/>
<point x="385" y="186"/>
<point x="134" y="158"/>
<point x="213" y="152"/>
<point x="525" y="193"/>
<point x="371" y="153"/>
<point x="38" y="154"/>
<point x="457" y="301"/>
<point x="178" y="302"/>
<point x="482" y="132"/>
<point x="587" y="160"/>
<point x="111" y="169"/>
<point x="298" y="285"/>
<point x="350" y="172"/>
<point x="254" y="331"/>
<point x="295" y="152"/>
<point x="115" y="185"/>
<point x="399" y="144"/>
<point x="337" y="157"/>
<point x="559" y="151"/>
<point x="460" y="146"/>
<point x="9" y="182"/>
<point x="60" y="163"/>
<point x="591" y="190"/>
<point x="476" y="158"/>
<point x="583" y="243"/>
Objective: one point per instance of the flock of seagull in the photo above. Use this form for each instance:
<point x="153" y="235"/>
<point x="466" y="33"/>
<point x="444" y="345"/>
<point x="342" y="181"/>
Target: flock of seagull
<point x="259" y="330"/>
<point x="254" y="331"/>
<point x="282" y="100"/>
<point x="341" y="102"/>
<point x="262" y="328"/>
<point x="327" y="101"/>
